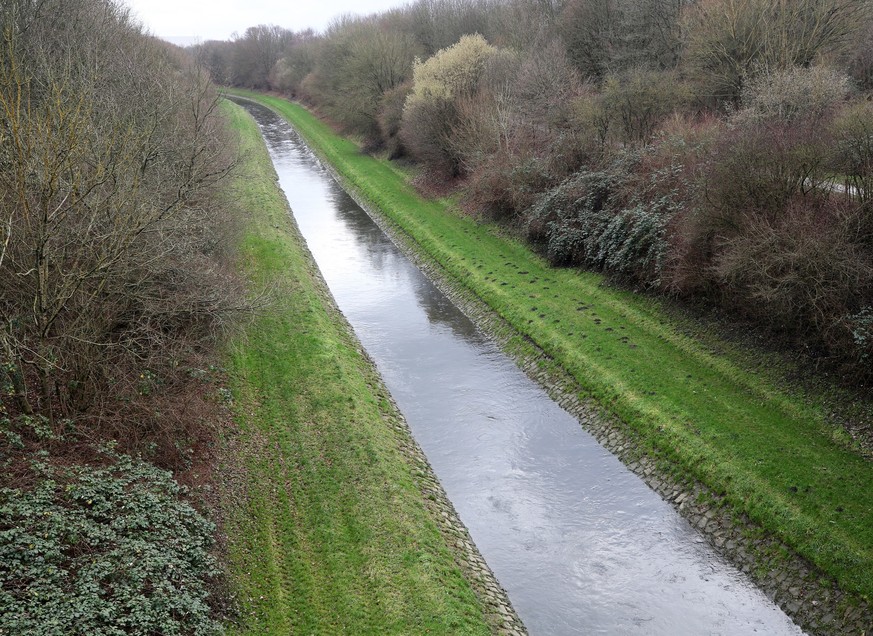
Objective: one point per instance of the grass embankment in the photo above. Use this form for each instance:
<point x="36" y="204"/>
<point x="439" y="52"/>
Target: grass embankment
<point x="772" y="455"/>
<point x="327" y="530"/>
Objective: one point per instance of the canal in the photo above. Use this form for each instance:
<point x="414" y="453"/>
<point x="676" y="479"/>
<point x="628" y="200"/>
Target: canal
<point x="580" y="543"/>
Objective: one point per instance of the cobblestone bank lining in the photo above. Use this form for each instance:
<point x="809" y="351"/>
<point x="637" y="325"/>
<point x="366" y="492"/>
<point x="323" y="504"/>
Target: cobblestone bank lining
<point x="805" y="593"/>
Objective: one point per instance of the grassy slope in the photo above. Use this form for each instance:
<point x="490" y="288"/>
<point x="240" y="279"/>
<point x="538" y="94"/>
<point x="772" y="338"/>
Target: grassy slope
<point x="329" y="534"/>
<point x="774" y="456"/>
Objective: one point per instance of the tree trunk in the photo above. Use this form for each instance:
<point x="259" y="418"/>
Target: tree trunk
<point x="11" y="369"/>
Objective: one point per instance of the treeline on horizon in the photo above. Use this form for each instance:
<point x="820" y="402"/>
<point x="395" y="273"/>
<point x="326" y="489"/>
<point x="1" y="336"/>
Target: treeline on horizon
<point x="706" y="149"/>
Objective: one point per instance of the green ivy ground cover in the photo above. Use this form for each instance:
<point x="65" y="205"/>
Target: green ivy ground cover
<point x="104" y="550"/>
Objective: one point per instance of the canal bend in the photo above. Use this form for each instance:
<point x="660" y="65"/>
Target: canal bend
<point x="580" y="543"/>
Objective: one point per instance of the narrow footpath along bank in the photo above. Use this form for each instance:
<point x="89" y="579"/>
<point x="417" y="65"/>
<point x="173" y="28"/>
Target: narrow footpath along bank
<point x="732" y="486"/>
<point x="334" y="522"/>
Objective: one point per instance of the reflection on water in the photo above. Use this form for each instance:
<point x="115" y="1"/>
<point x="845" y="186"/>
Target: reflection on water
<point x="581" y="545"/>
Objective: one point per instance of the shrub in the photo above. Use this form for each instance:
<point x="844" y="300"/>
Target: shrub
<point x="633" y="241"/>
<point x="488" y="119"/>
<point x="793" y="95"/>
<point x="751" y="171"/>
<point x="517" y="136"/>
<point x="504" y="184"/>
<point x="483" y="129"/>
<point x="617" y="218"/>
<point x="803" y="272"/>
<point x="283" y="77"/>
<point x="451" y="72"/>
<point x="678" y="164"/>
<point x="756" y="170"/>
<point x="426" y="131"/>
<point x="852" y="131"/>
<point x="861" y="327"/>
<point x="769" y="238"/>
<point x="638" y="100"/>
<point x="560" y="219"/>
<point x="593" y="121"/>
<point x="860" y="61"/>
<point x="390" y="117"/>
<point x="102" y="550"/>
<point x="431" y="110"/>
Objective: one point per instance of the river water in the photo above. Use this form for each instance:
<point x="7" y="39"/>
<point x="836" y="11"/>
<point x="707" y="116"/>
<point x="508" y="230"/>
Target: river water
<point x="580" y="543"/>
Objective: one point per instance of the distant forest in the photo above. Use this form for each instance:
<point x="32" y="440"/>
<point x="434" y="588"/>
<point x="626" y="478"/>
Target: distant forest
<point x="714" y="149"/>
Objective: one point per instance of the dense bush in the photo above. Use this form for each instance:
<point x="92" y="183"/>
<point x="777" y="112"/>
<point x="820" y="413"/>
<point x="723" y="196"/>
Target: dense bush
<point x="570" y="219"/>
<point x="451" y="72"/>
<point x="390" y="117"/>
<point x="804" y="271"/>
<point x="769" y="237"/>
<point x="757" y="170"/>
<point x="519" y="135"/>
<point x="638" y="100"/>
<point x="860" y="60"/>
<point x="505" y="184"/>
<point x="103" y="550"/>
<point x="798" y="95"/>
<point x="592" y="220"/>
<point x="852" y="152"/>
<point x="426" y="132"/>
<point x="431" y="110"/>
<point x="114" y="255"/>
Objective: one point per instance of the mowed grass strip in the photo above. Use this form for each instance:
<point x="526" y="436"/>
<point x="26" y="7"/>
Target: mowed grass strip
<point x="772" y="455"/>
<point x="327" y="530"/>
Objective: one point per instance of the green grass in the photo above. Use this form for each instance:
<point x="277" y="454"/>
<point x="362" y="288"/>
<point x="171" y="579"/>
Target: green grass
<point x="773" y="456"/>
<point x="328" y="532"/>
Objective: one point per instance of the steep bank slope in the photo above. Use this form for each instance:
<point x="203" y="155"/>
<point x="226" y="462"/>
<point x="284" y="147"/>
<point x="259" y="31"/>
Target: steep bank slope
<point x="763" y="453"/>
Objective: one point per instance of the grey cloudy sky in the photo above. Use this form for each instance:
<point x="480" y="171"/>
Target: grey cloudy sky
<point x="218" y="19"/>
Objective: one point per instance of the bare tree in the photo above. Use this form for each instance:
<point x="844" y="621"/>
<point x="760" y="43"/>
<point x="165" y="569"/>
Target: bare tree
<point x="359" y="61"/>
<point x="438" y="24"/>
<point x="216" y="57"/>
<point x="298" y="62"/>
<point x="109" y="148"/>
<point x="729" y="40"/>
<point x="255" y="54"/>
<point x="604" y="36"/>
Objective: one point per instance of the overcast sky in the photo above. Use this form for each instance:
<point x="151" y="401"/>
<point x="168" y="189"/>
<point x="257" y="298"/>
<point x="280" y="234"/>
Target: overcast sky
<point x="218" y="19"/>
